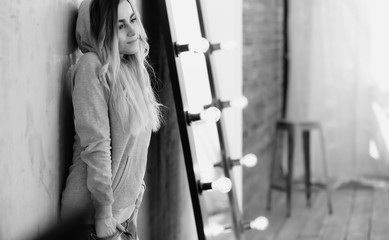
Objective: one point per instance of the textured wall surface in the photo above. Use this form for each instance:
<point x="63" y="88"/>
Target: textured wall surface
<point x="262" y="84"/>
<point x="36" y="131"/>
<point x="36" y="42"/>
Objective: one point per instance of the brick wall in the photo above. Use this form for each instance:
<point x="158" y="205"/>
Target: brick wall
<point x="262" y="85"/>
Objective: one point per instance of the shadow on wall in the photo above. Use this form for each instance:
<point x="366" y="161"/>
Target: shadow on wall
<point x="66" y="51"/>
<point x="71" y="229"/>
<point x="66" y="125"/>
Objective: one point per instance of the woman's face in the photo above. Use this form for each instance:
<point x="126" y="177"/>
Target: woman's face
<point x="128" y="29"/>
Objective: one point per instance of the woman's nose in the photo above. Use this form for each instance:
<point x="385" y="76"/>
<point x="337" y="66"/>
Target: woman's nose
<point x="131" y="29"/>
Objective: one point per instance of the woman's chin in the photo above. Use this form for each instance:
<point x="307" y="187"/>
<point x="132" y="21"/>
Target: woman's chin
<point x="130" y="49"/>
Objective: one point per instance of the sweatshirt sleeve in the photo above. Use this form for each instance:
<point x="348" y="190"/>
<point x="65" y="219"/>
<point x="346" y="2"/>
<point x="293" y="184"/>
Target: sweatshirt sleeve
<point x="139" y="199"/>
<point x="90" y="102"/>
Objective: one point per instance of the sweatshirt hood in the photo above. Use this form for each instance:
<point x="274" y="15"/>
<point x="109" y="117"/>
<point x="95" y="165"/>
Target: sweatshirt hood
<point x="84" y="38"/>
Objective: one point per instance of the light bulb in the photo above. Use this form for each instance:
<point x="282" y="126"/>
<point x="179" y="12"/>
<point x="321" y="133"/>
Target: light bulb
<point x="199" y="46"/>
<point x="229" y="45"/>
<point x="210" y="114"/>
<point x="260" y="223"/>
<point x="239" y="102"/>
<point x="213" y="230"/>
<point x="223" y="185"/>
<point x="249" y="160"/>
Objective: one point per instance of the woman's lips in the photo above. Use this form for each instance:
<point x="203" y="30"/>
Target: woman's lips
<point x="133" y="39"/>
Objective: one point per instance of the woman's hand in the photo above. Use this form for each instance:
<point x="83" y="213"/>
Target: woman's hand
<point x="107" y="227"/>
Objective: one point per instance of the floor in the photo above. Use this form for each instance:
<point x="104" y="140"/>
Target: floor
<point x="360" y="211"/>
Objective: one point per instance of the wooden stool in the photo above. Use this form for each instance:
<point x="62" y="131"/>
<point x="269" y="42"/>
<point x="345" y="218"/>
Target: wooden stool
<point x="301" y="129"/>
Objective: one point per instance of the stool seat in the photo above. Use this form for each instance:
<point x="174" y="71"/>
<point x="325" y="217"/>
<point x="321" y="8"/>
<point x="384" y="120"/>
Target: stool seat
<point x="295" y="129"/>
<point x="306" y="125"/>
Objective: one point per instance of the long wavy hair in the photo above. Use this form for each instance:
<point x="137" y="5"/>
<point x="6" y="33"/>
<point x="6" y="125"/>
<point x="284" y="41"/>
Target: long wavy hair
<point x="128" y="78"/>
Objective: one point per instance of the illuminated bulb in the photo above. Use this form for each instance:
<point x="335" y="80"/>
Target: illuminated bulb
<point x="260" y="223"/>
<point x="214" y="230"/>
<point x="199" y="46"/>
<point x="229" y="45"/>
<point x="239" y="102"/>
<point x="223" y="185"/>
<point x="250" y="160"/>
<point x="210" y="114"/>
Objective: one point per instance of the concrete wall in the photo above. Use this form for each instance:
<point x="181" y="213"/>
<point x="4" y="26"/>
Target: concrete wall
<point x="36" y="131"/>
<point x="36" y="42"/>
<point x="37" y="46"/>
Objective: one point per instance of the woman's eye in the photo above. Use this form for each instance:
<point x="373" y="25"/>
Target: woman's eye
<point x="133" y="20"/>
<point x="121" y="26"/>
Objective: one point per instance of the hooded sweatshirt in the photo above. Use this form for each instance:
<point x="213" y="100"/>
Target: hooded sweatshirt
<point x="109" y="161"/>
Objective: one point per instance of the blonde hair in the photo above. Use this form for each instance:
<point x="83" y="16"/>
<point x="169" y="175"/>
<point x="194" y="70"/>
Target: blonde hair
<point x="131" y="94"/>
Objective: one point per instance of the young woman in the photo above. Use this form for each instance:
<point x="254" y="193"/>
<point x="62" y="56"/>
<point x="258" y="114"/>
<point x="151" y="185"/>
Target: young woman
<point x="115" y="111"/>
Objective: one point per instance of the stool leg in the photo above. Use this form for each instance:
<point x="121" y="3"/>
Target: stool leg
<point x="325" y="170"/>
<point x="307" y="166"/>
<point x="290" y="171"/>
<point x="273" y="165"/>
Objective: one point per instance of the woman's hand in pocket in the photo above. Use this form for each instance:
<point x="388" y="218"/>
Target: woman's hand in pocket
<point x="107" y="227"/>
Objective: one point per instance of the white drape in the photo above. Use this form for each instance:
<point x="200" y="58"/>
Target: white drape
<point x="337" y="75"/>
